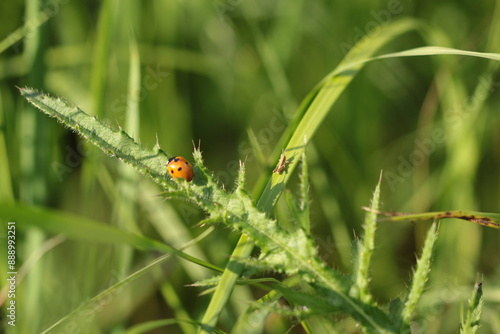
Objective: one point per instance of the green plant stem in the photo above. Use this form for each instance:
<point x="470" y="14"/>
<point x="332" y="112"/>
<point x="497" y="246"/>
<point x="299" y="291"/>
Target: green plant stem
<point x="228" y="279"/>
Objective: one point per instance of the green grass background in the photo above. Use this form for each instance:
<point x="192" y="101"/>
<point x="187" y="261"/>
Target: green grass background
<point x="230" y="74"/>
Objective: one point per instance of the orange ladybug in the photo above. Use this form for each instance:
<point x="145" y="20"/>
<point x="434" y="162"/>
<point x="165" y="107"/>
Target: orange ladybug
<point x="178" y="167"/>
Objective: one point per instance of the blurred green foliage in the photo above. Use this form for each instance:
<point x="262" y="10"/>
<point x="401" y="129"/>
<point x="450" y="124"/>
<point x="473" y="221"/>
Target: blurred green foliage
<point x="212" y="71"/>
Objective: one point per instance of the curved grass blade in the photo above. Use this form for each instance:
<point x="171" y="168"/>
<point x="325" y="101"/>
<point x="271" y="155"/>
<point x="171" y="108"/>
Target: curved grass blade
<point x="109" y="291"/>
<point x="423" y="51"/>
<point x="317" y="104"/>
<point x="30" y="25"/>
<point x="482" y="218"/>
<point x="76" y="227"/>
<point x="149" y="326"/>
<point x="29" y="262"/>
<point x="253" y="319"/>
<point x="130" y="278"/>
<point x="101" y="56"/>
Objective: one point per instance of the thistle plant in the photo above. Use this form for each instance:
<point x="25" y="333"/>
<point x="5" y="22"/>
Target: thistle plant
<point x="312" y="288"/>
<point x="316" y="289"/>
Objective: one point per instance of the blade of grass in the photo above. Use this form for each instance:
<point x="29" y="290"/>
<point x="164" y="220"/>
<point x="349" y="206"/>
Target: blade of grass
<point x="273" y="66"/>
<point x="101" y="55"/>
<point x="304" y="196"/>
<point x="125" y="212"/>
<point x="175" y="233"/>
<point x="176" y="303"/>
<point x="256" y="147"/>
<point x="318" y="102"/>
<point x="26" y="267"/>
<point x="79" y="228"/>
<point x="35" y="150"/>
<point x="252" y="321"/>
<point x="482" y="218"/>
<point x="421" y="51"/>
<point x="130" y="278"/>
<point x="149" y="326"/>
<point x="32" y="23"/>
<point x="6" y="190"/>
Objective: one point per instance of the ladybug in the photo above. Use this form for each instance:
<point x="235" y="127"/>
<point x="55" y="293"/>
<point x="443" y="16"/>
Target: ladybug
<point x="178" y="167"/>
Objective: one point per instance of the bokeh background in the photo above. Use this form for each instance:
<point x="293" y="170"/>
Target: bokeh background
<point x="229" y="74"/>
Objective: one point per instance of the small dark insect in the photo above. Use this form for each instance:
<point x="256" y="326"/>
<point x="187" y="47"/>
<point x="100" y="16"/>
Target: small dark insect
<point x="281" y="166"/>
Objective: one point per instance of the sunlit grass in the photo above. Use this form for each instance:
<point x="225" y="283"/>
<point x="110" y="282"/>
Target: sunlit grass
<point x="212" y="71"/>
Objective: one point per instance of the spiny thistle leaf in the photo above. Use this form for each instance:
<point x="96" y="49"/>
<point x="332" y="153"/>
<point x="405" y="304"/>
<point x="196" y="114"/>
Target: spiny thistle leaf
<point x="420" y="277"/>
<point x="112" y="142"/>
<point x="471" y="323"/>
<point x="291" y="253"/>
<point x="364" y="251"/>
